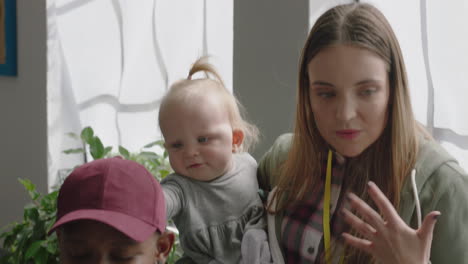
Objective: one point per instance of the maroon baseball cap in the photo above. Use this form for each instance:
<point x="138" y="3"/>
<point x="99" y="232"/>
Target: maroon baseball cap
<point x="118" y="192"/>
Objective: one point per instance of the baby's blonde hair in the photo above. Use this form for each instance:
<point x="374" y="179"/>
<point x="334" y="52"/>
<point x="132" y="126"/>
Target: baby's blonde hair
<point x="189" y="89"/>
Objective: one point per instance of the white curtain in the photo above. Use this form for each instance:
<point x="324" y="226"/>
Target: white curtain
<point x="433" y="36"/>
<point x="110" y="62"/>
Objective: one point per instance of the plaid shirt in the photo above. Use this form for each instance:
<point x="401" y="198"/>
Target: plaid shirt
<point x="302" y="226"/>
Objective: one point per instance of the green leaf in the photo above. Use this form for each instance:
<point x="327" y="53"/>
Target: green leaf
<point x="28" y="184"/>
<point x="41" y="256"/>
<point x="39" y="230"/>
<point x="155" y="143"/>
<point x="33" y="249"/>
<point x="51" y="197"/>
<point x="52" y="246"/>
<point x="149" y="155"/>
<point x="34" y="195"/>
<point x="22" y="241"/>
<point x="87" y="134"/>
<point x="31" y="188"/>
<point x="96" y="148"/>
<point x="9" y="240"/>
<point x="164" y="173"/>
<point x="124" y="152"/>
<point x="157" y="162"/>
<point x="31" y="213"/>
<point x="73" y="151"/>
<point x="50" y="223"/>
<point x="73" y="135"/>
<point x="107" y="150"/>
<point x="49" y="202"/>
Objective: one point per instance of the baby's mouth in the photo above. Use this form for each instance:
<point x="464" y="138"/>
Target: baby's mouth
<point x="195" y="165"/>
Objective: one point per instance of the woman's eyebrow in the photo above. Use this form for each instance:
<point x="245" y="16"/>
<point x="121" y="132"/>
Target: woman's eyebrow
<point x="322" y="83"/>
<point x="369" y="81"/>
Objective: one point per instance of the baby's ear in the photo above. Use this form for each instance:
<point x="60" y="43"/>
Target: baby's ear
<point x="237" y="139"/>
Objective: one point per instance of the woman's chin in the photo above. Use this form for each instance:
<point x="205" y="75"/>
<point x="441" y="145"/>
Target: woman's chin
<point x="349" y="152"/>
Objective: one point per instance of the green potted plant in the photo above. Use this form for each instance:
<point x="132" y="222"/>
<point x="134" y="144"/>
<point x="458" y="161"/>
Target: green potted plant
<point x="27" y="241"/>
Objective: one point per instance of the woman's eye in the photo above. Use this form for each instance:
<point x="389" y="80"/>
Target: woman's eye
<point x="326" y="95"/>
<point x="367" y="92"/>
<point x="203" y="139"/>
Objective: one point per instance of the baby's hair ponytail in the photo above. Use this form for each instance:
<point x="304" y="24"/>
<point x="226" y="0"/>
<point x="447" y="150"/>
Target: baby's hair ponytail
<point x="202" y="65"/>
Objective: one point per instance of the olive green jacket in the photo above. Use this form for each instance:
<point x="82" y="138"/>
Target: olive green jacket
<point x="441" y="183"/>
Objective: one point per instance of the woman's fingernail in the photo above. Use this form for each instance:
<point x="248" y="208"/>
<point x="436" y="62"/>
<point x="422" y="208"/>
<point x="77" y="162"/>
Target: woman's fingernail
<point x="436" y="216"/>
<point x="370" y="183"/>
<point x="348" y="197"/>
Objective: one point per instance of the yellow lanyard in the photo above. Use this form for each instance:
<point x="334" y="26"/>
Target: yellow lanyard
<point x="326" y="211"/>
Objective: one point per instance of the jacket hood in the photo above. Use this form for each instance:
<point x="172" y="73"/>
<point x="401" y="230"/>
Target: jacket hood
<point x="431" y="157"/>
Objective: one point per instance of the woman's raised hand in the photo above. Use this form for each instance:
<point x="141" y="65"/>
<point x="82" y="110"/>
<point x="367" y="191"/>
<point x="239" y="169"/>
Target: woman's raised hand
<point x="388" y="239"/>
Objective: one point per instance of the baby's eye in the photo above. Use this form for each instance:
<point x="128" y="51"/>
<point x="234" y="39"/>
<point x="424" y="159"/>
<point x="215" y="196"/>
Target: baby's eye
<point x="203" y="139"/>
<point x="176" y="145"/>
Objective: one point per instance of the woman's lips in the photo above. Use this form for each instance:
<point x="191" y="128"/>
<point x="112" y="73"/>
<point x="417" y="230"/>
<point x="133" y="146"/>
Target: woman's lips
<point x="348" y="133"/>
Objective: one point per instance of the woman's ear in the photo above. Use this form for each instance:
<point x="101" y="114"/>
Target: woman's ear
<point x="164" y="245"/>
<point x="237" y="139"/>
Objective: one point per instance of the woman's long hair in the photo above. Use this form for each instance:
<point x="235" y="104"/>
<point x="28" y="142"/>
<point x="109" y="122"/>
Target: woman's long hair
<point x="389" y="160"/>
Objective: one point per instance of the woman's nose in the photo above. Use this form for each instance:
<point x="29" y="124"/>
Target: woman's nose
<point x="346" y="109"/>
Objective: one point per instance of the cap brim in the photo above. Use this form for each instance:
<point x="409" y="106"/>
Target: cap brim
<point x="132" y="227"/>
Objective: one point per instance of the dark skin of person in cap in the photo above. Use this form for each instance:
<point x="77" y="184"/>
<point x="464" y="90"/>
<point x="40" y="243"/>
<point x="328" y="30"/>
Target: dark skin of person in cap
<point x="93" y="242"/>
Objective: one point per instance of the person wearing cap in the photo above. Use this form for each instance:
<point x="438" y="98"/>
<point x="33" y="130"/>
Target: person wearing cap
<point x="112" y="211"/>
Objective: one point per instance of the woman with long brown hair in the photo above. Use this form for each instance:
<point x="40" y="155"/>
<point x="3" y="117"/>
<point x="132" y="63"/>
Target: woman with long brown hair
<point x="352" y="183"/>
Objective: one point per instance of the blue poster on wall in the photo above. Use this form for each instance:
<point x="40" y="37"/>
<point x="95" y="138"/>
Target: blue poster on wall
<point x="8" y="65"/>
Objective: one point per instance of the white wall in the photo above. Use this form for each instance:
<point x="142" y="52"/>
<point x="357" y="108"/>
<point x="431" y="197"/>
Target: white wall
<point x="23" y="131"/>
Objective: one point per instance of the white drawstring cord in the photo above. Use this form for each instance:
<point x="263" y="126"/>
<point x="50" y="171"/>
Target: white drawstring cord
<point x="416" y="196"/>
<point x="416" y="199"/>
<point x="275" y="249"/>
